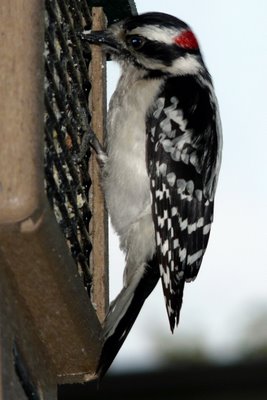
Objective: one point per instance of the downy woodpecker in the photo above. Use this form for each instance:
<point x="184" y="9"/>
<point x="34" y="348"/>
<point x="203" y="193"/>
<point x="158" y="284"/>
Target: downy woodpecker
<point x="160" y="165"/>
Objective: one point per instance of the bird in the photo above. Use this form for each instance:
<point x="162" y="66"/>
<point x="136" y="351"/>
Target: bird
<point x="159" y="165"/>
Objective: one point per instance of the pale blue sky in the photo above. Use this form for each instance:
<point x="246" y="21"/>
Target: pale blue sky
<point x="232" y="283"/>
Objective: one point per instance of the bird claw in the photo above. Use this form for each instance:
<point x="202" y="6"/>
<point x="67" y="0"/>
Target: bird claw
<point x="90" y="140"/>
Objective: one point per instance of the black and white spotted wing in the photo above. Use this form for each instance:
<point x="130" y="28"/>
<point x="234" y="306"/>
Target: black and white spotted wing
<point x="182" y="158"/>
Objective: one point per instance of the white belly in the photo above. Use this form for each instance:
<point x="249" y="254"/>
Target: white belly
<point x="126" y="182"/>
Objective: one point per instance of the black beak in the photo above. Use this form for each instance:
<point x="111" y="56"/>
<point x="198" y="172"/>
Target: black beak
<point x="99" y="38"/>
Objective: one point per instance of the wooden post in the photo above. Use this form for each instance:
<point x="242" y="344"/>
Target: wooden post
<point x="48" y="327"/>
<point x="21" y="108"/>
<point x="98" y="224"/>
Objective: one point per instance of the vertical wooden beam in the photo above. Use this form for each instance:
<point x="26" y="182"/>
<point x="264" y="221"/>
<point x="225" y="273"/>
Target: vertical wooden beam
<point x="21" y="108"/>
<point x="60" y="342"/>
<point x="98" y="224"/>
<point x="24" y="363"/>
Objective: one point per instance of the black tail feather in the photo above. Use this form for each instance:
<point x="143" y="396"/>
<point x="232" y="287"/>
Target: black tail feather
<point x="113" y="343"/>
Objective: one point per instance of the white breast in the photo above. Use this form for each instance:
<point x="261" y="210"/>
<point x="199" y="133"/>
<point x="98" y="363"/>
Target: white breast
<point x="126" y="183"/>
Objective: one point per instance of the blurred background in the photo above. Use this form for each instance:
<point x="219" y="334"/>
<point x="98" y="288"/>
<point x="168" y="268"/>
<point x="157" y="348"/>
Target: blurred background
<point x="224" y="315"/>
<point x="223" y="324"/>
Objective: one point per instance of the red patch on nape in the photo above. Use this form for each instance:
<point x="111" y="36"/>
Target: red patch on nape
<point x="187" y="40"/>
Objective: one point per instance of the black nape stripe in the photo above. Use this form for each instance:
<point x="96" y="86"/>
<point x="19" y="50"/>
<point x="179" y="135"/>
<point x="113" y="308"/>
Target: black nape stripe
<point x="166" y="54"/>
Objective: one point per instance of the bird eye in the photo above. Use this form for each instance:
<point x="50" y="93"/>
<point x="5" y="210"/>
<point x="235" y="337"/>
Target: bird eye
<point x="136" y="42"/>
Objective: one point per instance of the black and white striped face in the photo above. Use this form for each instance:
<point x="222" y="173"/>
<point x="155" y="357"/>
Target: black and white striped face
<point x="155" y="42"/>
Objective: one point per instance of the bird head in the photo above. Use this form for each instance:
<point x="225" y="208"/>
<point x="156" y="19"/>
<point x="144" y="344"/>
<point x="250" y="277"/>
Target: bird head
<point x="153" y="42"/>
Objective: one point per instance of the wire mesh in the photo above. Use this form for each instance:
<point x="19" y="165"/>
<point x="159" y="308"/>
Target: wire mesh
<point x="67" y="119"/>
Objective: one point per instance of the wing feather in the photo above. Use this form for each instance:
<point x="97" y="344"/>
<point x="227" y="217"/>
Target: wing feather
<point x="180" y="155"/>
